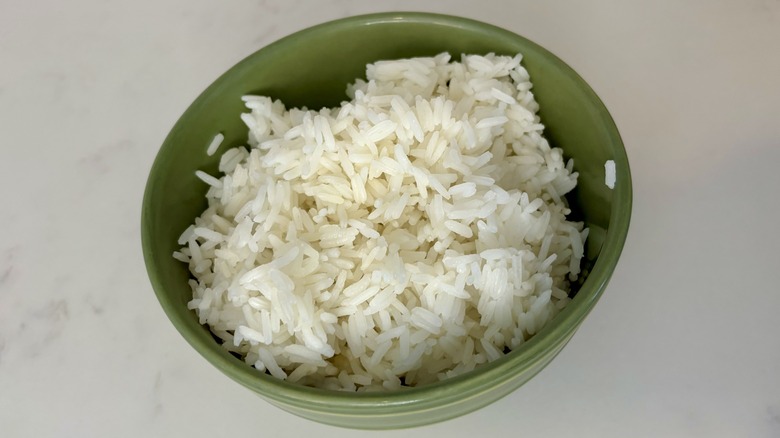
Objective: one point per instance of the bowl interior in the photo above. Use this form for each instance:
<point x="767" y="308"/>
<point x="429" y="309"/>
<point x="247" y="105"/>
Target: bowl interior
<point x="312" y="68"/>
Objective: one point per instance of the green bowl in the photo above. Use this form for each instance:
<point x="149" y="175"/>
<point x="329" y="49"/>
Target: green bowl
<point x="312" y="68"/>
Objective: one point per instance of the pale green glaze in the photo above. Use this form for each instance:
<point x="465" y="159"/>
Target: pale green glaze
<point x="312" y="68"/>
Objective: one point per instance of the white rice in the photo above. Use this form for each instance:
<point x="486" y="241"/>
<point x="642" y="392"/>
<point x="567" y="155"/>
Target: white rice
<point x="409" y="235"/>
<point x="215" y="144"/>
<point x="609" y="174"/>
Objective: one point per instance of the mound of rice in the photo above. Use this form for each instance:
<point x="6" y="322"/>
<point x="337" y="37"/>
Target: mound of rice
<point x="409" y="235"/>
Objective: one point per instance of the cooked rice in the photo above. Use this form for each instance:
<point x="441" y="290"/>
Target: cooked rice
<point x="216" y="142"/>
<point x="409" y="235"/>
<point x="609" y="174"/>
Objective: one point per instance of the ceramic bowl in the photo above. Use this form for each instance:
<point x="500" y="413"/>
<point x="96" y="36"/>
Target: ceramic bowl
<point x="312" y="68"/>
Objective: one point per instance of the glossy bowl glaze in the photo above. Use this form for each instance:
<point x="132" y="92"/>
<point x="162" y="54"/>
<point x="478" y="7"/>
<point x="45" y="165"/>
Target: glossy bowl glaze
<point x="312" y="68"/>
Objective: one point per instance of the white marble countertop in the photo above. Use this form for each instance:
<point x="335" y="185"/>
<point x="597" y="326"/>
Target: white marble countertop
<point x="685" y="342"/>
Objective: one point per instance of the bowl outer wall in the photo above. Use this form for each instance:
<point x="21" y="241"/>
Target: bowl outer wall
<point x="312" y="67"/>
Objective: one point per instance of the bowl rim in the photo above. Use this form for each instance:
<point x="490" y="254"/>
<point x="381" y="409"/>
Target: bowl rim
<point x="451" y="390"/>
